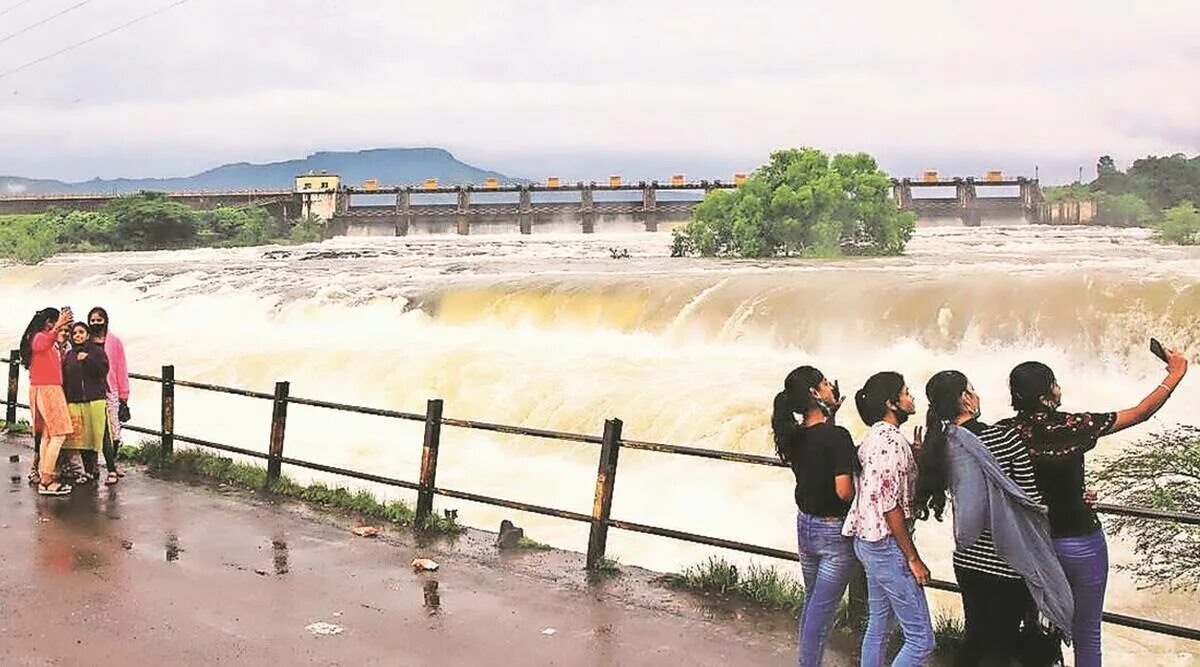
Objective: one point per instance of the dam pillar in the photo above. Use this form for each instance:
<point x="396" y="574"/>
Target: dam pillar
<point x="462" y="214"/>
<point x="650" y="205"/>
<point x="1030" y="201"/>
<point x="968" y="203"/>
<point x="902" y="193"/>
<point x="525" y="210"/>
<point x="587" y="208"/>
<point x="403" y="211"/>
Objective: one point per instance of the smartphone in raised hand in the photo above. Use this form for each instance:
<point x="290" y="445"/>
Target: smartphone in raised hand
<point x="1156" y="348"/>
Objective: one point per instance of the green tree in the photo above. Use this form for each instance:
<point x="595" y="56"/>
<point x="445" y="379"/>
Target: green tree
<point x="1180" y="225"/>
<point x="801" y="202"/>
<point x="1124" y="210"/>
<point x="1161" y="473"/>
<point x="227" y="226"/>
<point x="150" y="221"/>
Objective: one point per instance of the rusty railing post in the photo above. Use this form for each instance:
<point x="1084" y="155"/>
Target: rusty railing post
<point x="168" y="414"/>
<point x="14" y="378"/>
<point x="606" y="476"/>
<point x="429" y="457"/>
<point x="278" y="426"/>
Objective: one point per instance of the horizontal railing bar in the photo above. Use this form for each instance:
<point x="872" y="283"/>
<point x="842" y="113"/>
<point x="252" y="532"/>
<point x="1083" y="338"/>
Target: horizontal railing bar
<point x="1148" y="513"/>
<point x="143" y="376"/>
<point x="365" y="476"/>
<point x="1152" y="626"/>
<point x="512" y="504"/>
<point x="717" y="454"/>
<point x="703" y="539"/>
<point x="140" y="429"/>
<point x="345" y="407"/>
<point x="223" y="390"/>
<point x="219" y="446"/>
<point x="522" y="430"/>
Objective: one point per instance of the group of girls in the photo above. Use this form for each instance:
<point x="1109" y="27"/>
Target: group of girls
<point x="1030" y="555"/>
<point x="78" y="395"/>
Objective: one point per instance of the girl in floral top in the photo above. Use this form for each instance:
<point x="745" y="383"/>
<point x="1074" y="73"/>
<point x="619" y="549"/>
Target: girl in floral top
<point x="1057" y="442"/>
<point x="880" y="521"/>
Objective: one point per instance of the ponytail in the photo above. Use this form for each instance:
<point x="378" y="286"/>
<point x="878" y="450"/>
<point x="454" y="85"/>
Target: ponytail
<point x="944" y="391"/>
<point x="796" y="398"/>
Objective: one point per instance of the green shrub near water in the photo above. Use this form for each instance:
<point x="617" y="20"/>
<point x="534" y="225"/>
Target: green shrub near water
<point x="1180" y="225"/>
<point x="804" y="203"/>
<point x="1161" y="472"/>
<point x="249" y="476"/>
<point x="146" y="221"/>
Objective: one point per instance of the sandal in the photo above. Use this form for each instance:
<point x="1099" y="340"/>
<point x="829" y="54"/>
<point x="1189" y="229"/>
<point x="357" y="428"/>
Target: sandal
<point x="113" y="478"/>
<point x="54" y="489"/>
<point x="83" y="478"/>
<point x="35" y="478"/>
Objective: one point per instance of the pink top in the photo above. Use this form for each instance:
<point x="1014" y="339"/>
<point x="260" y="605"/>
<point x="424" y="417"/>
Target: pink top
<point x="45" y="368"/>
<point x="888" y="480"/>
<point x="118" y="372"/>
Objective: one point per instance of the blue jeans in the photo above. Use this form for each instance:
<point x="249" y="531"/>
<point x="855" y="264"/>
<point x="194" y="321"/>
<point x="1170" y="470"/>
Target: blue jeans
<point x="1085" y="561"/>
<point x="826" y="561"/>
<point x="893" y="595"/>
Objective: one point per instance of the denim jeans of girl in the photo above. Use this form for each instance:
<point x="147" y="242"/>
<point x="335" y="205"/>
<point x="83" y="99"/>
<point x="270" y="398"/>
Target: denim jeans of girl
<point x="826" y="562"/>
<point x="894" y="597"/>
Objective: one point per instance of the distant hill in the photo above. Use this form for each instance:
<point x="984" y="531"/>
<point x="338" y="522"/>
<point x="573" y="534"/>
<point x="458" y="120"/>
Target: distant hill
<point x="391" y="166"/>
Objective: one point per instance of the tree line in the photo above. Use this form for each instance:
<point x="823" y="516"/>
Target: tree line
<point x="146" y="221"/>
<point x="1158" y="192"/>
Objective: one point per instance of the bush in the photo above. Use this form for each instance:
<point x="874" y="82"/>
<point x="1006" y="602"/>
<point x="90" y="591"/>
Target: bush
<point x="801" y="202"/>
<point x="1180" y="225"/>
<point x="1161" y="473"/>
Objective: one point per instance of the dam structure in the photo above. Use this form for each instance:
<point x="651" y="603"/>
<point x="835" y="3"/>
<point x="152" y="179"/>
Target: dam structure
<point x="371" y="209"/>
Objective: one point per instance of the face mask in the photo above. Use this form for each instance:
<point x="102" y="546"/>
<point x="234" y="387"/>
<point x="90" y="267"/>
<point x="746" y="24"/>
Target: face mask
<point x="97" y="329"/>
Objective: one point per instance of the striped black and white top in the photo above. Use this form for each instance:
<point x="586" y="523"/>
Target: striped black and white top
<point x="1011" y="454"/>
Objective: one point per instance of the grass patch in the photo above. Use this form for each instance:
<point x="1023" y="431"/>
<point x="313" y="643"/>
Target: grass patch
<point x="768" y="587"/>
<point x="19" y="427"/>
<point x="607" y="567"/>
<point x="249" y="476"/>
<point x="761" y="585"/>
<point x="526" y="543"/>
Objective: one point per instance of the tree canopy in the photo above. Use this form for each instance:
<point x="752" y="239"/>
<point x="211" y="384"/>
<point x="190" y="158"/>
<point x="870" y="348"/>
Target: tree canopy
<point x="802" y="202"/>
<point x="146" y="221"/>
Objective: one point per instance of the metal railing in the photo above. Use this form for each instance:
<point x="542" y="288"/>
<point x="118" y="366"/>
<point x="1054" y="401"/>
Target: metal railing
<point x="600" y="520"/>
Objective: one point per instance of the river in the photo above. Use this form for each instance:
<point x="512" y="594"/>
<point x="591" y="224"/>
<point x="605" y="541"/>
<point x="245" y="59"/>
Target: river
<point x="549" y="331"/>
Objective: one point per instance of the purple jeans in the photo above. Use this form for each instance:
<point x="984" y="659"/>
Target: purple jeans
<point x="1085" y="561"/>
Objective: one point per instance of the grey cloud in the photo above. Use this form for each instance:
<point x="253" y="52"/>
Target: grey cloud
<point x="223" y="80"/>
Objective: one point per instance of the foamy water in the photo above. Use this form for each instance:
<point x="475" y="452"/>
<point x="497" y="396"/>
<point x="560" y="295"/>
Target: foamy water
<point x="548" y="331"/>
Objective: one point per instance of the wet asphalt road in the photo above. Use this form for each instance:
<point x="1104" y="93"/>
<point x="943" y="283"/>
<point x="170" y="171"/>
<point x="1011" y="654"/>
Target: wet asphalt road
<point x="154" y="572"/>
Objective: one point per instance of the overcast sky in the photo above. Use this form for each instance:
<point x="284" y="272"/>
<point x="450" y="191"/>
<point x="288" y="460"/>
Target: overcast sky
<point x="587" y="88"/>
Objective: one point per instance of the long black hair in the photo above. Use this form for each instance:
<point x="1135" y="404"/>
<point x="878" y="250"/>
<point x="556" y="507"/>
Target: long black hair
<point x="872" y="400"/>
<point x="796" y="398"/>
<point x="1028" y="383"/>
<point x="944" y="391"/>
<point x="36" y="325"/>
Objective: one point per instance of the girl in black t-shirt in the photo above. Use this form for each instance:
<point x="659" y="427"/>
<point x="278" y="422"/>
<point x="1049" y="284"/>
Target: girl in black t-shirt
<point x="1057" y="442"/>
<point x="823" y="459"/>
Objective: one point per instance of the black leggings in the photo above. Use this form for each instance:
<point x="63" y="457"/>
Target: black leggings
<point x="90" y="461"/>
<point x="994" y="608"/>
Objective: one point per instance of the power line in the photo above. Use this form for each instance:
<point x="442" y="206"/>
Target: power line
<point x="93" y="38"/>
<point x="44" y="21"/>
<point x="19" y="4"/>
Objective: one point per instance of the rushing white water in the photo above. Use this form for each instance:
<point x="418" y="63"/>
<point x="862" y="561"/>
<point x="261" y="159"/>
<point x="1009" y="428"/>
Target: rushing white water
<point x="548" y="331"/>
